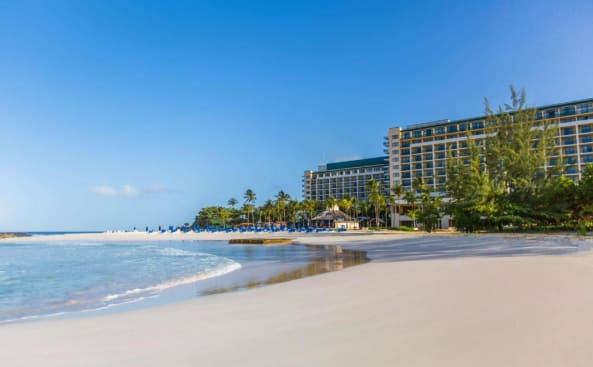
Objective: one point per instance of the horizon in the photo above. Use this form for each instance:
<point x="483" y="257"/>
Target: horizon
<point x="116" y="116"/>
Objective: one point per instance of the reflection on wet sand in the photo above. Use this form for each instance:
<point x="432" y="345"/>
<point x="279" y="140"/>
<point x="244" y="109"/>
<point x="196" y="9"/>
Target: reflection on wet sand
<point x="331" y="258"/>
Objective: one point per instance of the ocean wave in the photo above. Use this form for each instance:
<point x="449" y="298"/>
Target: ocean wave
<point x="176" y="282"/>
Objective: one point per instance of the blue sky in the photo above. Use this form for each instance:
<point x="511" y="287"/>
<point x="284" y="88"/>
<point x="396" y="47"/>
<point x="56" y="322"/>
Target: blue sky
<point x="116" y="114"/>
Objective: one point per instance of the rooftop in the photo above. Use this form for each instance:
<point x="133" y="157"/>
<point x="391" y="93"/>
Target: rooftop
<point x="447" y="121"/>
<point x="377" y="161"/>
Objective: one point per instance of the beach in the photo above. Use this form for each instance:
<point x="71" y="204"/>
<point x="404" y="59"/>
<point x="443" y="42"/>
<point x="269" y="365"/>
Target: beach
<point x="424" y="300"/>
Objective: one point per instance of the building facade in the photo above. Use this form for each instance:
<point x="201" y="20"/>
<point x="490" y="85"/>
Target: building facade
<point x="421" y="150"/>
<point x="345" y="179"/>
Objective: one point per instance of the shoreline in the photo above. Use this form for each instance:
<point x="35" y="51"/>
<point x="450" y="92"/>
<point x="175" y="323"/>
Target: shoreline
<point x="426" y="300"/>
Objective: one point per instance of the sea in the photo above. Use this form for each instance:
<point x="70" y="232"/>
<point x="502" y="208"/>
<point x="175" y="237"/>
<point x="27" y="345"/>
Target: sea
<point x="55" y="279"/>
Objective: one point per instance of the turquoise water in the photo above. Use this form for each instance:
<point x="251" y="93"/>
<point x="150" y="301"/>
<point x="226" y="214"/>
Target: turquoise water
<point x="56" y="278"/>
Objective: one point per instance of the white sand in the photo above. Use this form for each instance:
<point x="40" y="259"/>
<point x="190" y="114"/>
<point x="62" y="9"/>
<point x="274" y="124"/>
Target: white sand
<point x="513" y="311"/>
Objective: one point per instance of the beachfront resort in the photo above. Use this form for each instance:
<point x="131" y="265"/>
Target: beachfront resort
<point x="421" y="151"/>
<point x="275" y="184"/>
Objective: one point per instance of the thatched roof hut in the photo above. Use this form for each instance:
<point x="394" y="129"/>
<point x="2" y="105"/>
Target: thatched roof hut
<point x="334" y="218"/>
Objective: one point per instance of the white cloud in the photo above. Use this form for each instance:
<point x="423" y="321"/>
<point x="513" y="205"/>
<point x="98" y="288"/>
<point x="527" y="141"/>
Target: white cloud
<point x="128" y="191"/>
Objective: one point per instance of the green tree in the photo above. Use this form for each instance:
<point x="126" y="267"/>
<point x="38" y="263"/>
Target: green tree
<point x="410" y="198"/>
<point x="232" y="202"/>
<point x="249" y="202"/>
<point x="282" y="199"/>
<point x="309" y="206"/>
<point x="375" y="197"/>
<point x="518" y="152"/>
<point x="397" y="191"/>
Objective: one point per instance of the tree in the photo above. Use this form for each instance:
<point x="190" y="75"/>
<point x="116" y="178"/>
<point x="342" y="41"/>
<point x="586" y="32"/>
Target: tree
<point x="345" y="204"/>
<point x="410" y="198"/>
<point x="429" y="213"/>
<point x="250" y="198"/>
<point x="232" y="202"/>
<point x="397" y="191"/>
<point x="331" y="202"/>
<point x="375" y="197"/>
<point x="309" y="206"/>
<point x="469" y="189"/>
<point x="282" y="199"/>
<point x="517" y="157"/>
<point x="584" y="196"/>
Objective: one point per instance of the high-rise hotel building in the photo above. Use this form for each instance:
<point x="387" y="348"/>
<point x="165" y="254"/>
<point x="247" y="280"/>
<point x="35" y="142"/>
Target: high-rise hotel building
<point x="420" y="150"/>
<point x="345" y="179"/>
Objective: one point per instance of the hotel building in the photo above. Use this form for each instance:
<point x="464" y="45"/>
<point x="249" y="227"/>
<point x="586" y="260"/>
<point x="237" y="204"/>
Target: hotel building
<point x="345" y="179"/>
<point x="420" y="150"/>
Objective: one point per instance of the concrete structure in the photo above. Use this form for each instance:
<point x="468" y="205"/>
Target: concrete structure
<point x="420" y="150"/>
<point x="345" y="179"/>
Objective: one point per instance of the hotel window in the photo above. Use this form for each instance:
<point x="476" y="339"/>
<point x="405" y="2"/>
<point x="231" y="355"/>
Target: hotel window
<point x="569" y="151"/>
<point x="428" y="132"/>
<point x="540" y="115"/>
<point x="586" y="129"/>
<point x="418" y="166"/>
<point x="417" y="133"/>
<point x="550" y="114"/>
<point x="586" y="107"/>
<point x="395" y="151"/>
<point x="441" y="172"/>
<point x="567" y="110"/>
<point x="428" y="157"/>
<point x="588" y="159"/>
<point x="405" y="151"/>
<point x="417" y="150"/>
<point x="428" y="165"/>
<point x="452" y="128"/>
<point x="441" y="156"/>
<point x="571" y="171"/>
<point x="406" y="167"/>
<point x="428" y="149"/>
<point x="406" y="144"/>
<point x="569" y="141"/>
<point x="394" y="137"/>
<point x="407" y="135"/>
<point x="440" y="130"/>
<point x="568" y="131"/>
<point x="587" y="139"/>
<point x="396" y="174"/>
<point x="394" y="144"/>
<point x="463" y="126"/>
<point x="440" y="147"/>
<point x="478" y="125"/>
<point x="571" y="160"/>
<point x="587" y="149"/>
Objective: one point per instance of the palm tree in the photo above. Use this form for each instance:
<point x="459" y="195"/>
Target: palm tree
<point x="374" y="196"/>
<point x="410" y="198"/>
<point x="250" y="197"/>
<point x="281" y="200"/>
<point x="232" y="202"/>
<point x="331" y="203"/>
<point x="397" y="191"/>
<point x="309" y="207"/>
<point x="346" y="204"/>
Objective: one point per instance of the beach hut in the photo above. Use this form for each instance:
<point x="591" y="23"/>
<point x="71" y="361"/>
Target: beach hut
<point x="334" y="218"/>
